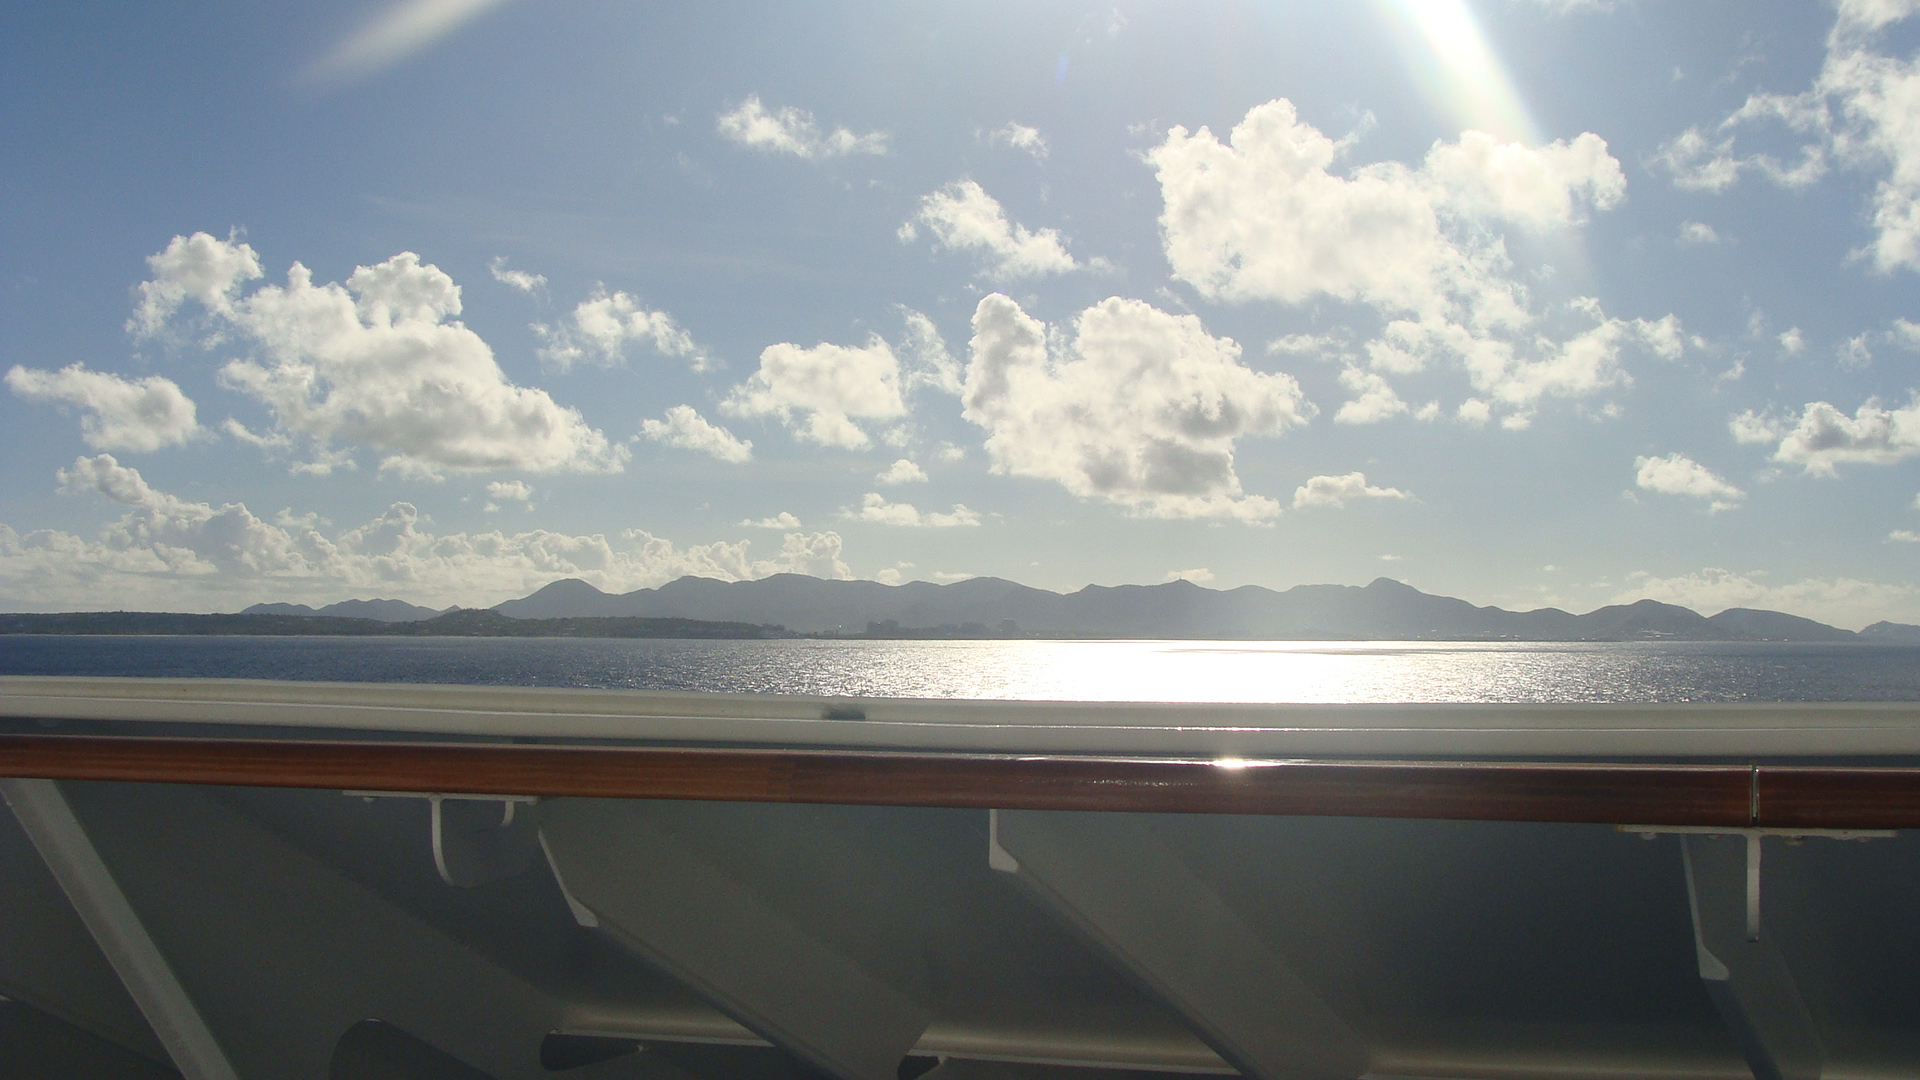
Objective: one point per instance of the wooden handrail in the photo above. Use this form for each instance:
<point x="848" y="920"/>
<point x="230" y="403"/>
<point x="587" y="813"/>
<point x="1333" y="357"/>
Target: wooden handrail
<point x="1491" y="791"/>
<point x="1735" y="796"/>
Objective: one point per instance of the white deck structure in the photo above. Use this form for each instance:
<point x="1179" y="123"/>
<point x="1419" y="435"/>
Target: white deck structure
<point x="259" y="932"/>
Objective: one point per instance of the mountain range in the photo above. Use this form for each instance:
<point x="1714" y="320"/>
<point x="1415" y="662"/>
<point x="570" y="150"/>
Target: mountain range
<point x="377" y="610"/>
<point x="992" y="607"/>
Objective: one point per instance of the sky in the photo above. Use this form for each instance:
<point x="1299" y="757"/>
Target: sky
<point x="1531" y="302"/>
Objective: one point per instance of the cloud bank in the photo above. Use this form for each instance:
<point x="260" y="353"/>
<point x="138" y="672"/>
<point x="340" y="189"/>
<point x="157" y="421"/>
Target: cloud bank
<point x="172" y="554"/>
<point x="1264" y="217"/>
<point x="379" y="362"/>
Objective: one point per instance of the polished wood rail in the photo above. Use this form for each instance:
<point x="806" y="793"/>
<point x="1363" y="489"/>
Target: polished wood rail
<point x="1654" y="794"/>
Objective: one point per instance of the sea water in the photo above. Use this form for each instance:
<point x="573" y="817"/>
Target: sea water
<point x="1217" y="671"/>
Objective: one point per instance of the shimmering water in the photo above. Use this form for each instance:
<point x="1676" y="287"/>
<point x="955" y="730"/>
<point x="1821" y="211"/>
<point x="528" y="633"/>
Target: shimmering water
<point x="1030" y="670"/>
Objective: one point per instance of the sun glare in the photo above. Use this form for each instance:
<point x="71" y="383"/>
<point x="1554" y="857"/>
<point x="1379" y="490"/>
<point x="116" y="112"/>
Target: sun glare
<point x="1457" y="69"/>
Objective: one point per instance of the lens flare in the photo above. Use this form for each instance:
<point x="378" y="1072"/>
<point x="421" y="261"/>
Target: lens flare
<point x="1457" y="69"/>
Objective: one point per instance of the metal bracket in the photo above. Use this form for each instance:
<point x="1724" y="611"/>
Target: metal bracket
<point x="1753" y="836"/>
<point x="470" y="849"/>
<point x="1747" y="978"/>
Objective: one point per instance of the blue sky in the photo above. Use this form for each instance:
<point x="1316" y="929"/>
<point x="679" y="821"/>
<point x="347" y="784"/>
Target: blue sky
<point x="1526" y="302"/>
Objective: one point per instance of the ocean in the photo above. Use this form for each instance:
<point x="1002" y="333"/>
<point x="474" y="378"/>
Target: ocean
<point x="1201" y="671"/>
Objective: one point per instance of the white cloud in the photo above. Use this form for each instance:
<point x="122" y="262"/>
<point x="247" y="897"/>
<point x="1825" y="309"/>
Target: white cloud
<point x="949" y="452"/>
<point x="1199" y="575"/>
<point x="1904" y="536"/>
<point x="1697" y="232"/>
<point x="1905" y="334"/>
<point x="1263" y="216"/>
<point x="1823" y="437"/>
<point x="1021" y="137"/>
<point x="166" y="553"/>
<point x="687" y="429"/>
<point x="379" y="362"/>
<point x="200" y="268"/>
<point x="1861" y="112"/>
<point x="963" y="217"/>
<point x="790" y="130"/>
<point x="929" y="362"/>
<point x="782" y="520"/>
<point x="277" y="440"/>
<point x="1844" y="602"/>
<point x="1855" y="352"/>
<point x="1374" y="399"/>
<point x="1481" y="177"/>
<point x="600" y="327"/>
<point x="1677" y="474"/>
<point x="820" y="392"/>
<point x="875" y="508"/>
<point x="1141" y="408"/>
<point x="1337" y="491"/>
<point x="902" y="471"/>
<point x="1792" y="341"/>
<point x="122" y="414"/>
<point x="515" y="490"/>
<point x="1309" y="345"/>
<point x="515" y="279"/>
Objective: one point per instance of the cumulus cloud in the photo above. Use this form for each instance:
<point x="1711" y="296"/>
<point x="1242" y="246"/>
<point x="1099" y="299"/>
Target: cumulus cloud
<point x="1141" y="407"/>
<point x="200" y="268"/>
<point x="513" y="490"/>
<point x="169" y="553"/>
<point x="1822" y="437"/>
<point x="1677" y="474"/>
<point x="876" y="509"/>
<point x="820" y="392"/>
<point x="600" y="327"/>
<point x="790" y="130"/>
<point x="1264" y="216"/>
<point x="121" y="414"/>
<point x="1845" y="602"/>
<point x="1792" y="341"/>
<point x="1860" y="113"/>
<point x="379" y="361"/>
<point x="902" y="471"/>
<point x="1199" y="575"/>
<point x="1021" y="137"/>
<point x="782" y="520"/>
<point x="963" y="217"/>
<point x="515" y="279"/>
<point x="1338" y="491"/>
<point x="686" y="429"/>
<point x="1903" y="536"/>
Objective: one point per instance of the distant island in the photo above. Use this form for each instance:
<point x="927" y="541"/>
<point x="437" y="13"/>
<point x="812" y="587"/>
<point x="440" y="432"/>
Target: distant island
<point x="794" y="605"/>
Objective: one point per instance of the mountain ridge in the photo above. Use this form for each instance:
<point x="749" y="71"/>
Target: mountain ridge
<point x="1384" y="609"/>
